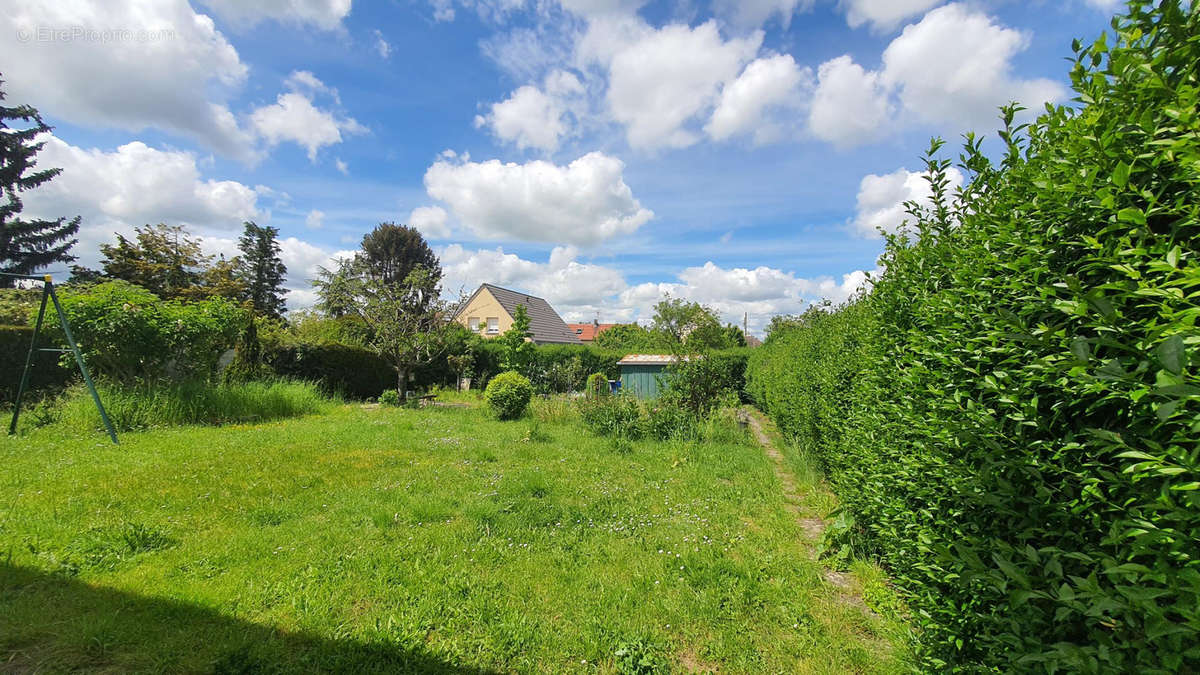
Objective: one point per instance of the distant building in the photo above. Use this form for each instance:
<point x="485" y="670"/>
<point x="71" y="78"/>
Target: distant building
<point x="490" y="310"/>
<point x="752" y="341"/>
<point x="587" y="332"/>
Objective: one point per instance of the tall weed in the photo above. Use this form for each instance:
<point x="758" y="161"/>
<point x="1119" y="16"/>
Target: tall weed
<point x="176" y="404"/>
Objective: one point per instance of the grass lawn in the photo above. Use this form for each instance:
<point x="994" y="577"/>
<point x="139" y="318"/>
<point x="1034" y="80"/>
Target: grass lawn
<point x="381" y="539"/>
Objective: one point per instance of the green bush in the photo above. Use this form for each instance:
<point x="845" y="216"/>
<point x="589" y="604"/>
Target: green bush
<point x="508" y="395"/>
<point x="19" y="306"/>
<point x="47" y="377"/>
<point x="618" y="415"/>
<point x="192" y="402"/>
<point x="1011" y="415"/>
<point x="389" y="397"/>
<point x="667" y="419"/>
<point x="128" y="334"/>
<point x="597" y="385"/>
<point x="702" y="383"/>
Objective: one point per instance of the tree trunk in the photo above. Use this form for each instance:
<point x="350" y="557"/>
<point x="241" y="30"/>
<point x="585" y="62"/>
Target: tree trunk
<point x="401" y="382"/>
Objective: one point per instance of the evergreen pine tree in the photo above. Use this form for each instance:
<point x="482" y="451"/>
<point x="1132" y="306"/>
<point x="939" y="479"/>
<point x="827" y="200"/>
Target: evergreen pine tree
<point x="27" y="245"/>
<point x="261" y="269"/>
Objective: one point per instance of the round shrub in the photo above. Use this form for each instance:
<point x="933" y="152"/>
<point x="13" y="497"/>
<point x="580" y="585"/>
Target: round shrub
<point x="389" y="397"/>
<point x="508" y="394"/>
<point x="597" y="385"/>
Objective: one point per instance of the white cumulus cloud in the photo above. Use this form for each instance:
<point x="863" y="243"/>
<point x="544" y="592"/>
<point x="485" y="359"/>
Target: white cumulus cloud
<point x="954" y="67"/>
<point x="883" y="15"/>
<point x="768" y="85"/>
<point x="850" y="106"/>
<point x="583" y="203"/>
<point x="430" y="221"/>
<point x="136" y="184"/>
<point x="324" y="14"/>
<point x="881" y="199"/>
<point x="173" y="73"/>
<point x="533" y="117"/>
<point x="293" y="117"/>
<point x="664" y="79"/>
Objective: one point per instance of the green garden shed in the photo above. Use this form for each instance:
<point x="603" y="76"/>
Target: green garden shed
<point x="641" y="374"/>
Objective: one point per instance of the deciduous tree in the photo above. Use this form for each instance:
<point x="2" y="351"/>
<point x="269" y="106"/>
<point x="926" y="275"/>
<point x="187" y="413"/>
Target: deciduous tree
<point x="403" y="321"/>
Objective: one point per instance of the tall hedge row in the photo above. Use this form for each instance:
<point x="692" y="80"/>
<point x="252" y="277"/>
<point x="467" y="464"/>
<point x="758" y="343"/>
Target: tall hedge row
<point x="47" y="375"/>
<point x="1011" y="414"/>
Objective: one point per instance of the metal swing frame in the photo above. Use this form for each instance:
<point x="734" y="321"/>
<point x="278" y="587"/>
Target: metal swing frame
<point x="48" y="294"/>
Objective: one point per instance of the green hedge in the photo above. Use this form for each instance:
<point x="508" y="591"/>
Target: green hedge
<point x="344" y="370"/>
<point x="47" y="377"/>
<point x="1011" y="416"/>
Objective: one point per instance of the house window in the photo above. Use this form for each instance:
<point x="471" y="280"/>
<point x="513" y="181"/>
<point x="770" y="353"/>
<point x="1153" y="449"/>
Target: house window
<point x="473" y="323"/>
<point x="493" y="325"/>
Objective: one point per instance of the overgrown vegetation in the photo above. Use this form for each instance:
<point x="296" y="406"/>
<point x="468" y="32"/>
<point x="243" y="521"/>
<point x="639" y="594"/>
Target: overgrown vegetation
<point x="1010" y="416"/>
<point x="129" y="335"/>
<point x="183" y="403"/>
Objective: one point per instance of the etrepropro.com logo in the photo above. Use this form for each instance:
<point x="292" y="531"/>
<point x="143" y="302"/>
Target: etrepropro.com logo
<point x="86" y="34"/>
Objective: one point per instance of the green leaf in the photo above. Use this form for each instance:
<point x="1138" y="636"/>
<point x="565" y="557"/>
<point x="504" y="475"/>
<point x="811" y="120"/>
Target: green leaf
<point x="1136" y="454"/>
<point x="1120" y="175"/>
<point x="1131" y="215"/>
<point x="1172" y="354"/>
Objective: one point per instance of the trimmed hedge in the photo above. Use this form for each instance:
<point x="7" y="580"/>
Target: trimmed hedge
<point x="47" y="376"/>
<point x="344" y="370"/>
<point x="1011" y="416"/>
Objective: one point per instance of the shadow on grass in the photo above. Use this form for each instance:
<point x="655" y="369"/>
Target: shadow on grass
<point x="51" y="623"/>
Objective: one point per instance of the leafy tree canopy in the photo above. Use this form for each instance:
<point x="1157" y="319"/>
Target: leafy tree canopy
<point x="391" y="252"/>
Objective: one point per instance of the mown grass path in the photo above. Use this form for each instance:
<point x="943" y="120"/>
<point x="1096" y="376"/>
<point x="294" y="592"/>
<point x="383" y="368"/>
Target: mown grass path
<point x="864" y="585"/>
<point x="432" y="540"/>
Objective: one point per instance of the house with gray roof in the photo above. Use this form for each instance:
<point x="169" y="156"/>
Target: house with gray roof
<point x="490" y="310"/>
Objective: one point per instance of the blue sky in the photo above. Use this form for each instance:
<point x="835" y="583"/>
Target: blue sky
<point x="599" y="153"/>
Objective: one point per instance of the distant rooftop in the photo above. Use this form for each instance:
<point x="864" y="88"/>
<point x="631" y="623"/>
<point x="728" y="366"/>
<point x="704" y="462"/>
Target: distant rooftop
<point x="588" y="331"/>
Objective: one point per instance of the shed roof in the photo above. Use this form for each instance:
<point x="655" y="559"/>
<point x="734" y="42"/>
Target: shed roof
<point x="648" y="360"/>
<point x="545" y="325"/>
